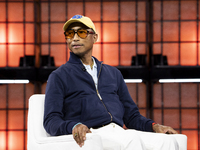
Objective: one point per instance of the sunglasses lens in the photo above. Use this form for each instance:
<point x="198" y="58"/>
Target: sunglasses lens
<point x="82" y="33"/>
<point x="69" y="34"/>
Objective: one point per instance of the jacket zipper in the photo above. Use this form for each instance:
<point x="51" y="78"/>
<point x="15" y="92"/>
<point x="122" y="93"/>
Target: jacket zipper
<point x="100" y="95"/>
<point x="104" y="105"/>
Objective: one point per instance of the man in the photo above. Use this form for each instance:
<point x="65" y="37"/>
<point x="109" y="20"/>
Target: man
<point x="86" y="96"/>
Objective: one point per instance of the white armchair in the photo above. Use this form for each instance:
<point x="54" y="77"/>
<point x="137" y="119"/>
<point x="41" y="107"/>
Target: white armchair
<point x="39" y="139"/>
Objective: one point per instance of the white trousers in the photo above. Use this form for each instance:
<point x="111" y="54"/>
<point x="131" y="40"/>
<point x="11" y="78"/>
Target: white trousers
<point x="114" y="137"/>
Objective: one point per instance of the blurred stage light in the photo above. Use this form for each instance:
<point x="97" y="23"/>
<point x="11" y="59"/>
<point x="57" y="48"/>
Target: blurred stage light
<point x="133" y="80"/>
<point x="178" y="80"/>
<point x="14" y="81"/>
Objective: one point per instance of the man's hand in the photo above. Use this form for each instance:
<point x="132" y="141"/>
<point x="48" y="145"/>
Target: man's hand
<point x="164" y="129"/>
<point x="79" y="133"/>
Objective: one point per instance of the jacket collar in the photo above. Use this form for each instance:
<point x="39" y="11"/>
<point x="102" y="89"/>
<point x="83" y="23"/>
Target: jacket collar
<point x="76" y="60"/>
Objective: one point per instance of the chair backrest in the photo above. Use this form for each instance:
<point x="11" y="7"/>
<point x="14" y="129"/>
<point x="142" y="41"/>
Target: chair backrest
<point x="35" y="127"/>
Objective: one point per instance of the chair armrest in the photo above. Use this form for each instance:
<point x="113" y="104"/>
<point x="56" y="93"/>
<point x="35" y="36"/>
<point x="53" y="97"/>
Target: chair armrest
<point x="92" y="142"/>
<point x="181" y="139"/>
<point x="63" y="138"/>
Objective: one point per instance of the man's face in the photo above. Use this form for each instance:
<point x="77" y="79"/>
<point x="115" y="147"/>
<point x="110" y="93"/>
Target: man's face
<point x="81" y="46"/>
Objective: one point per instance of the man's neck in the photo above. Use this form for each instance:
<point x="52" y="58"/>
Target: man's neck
<point x="88" y="61"/>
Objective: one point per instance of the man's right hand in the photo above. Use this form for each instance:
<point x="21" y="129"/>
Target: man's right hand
<point x="79" y="133"/>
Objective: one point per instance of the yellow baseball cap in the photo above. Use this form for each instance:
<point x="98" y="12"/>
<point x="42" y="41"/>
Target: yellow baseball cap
<point x="82" y="19"/>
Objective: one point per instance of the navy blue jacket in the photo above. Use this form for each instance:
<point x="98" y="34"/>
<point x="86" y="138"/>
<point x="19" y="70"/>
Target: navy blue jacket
<point x="71" y="97"/>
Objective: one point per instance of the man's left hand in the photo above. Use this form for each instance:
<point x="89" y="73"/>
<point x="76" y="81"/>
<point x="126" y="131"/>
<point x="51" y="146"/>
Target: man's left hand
<point x="79" y="133"/>
<point x="164" y="129"/>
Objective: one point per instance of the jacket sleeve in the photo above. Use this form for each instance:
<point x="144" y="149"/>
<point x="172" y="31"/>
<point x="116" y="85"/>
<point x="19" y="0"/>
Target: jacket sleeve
<point x="132" y="117"/>
<point x="53" y="114"/>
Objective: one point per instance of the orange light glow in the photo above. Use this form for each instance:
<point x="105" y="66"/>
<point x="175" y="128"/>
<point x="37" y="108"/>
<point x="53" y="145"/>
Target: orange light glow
<point x="58" y="8"/>
<point x="188" y="31"/>
<point x="29" y="33"/>
<point x="57" y="33"/>
<point x="188" y="116"/>
<point x="192" y="139"/>
<point x="12" y="9"/>
<point x="188" y="54"/>
<point x="198" y="53"/>
<point x="127" y="36"/>
<point x="171" y="118"/>
<point x="110" y="32"/>
<point x="110" y="54"/>
<point x="157" y="115"/>
<point x="97" y="51"/>
<point x="170" y="31"/>
<point x="14" y="54"/>
<point x="171" y="51"/>
<point x="127" y="10"/>
<point x="110" y="10"/>
<point x="156" y="31"/>
<point x="15" y="33"/>
<point x="3" y="11"/>
<point x="44" y="49"/>
<point x="93" y="10"/>
<point x="143" y="112"/>
<point x="3" y="33"/>
<point x="3" y="55"/>
<point x="59" y="58"/>
<point x="75" y="8"/>
<point x="29" y="49"/>
<point x="189" y="94"/>
<point x="188" y="10"/>
<point x="15" y="140"/>
<point x="3" y="120"/>
<point x="3" y="140"/>
<point x="15" y="119"/>
<point x="126" y="53"/>
<point x="16" y="91"/>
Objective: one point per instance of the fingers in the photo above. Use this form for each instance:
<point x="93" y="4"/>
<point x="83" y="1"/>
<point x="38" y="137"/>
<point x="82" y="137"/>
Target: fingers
<point x="79" y="134"/>
<point x="164" y="129"/>
<point x="171" y="131"/>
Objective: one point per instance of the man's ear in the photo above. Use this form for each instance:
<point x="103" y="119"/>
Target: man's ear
<point x="95" y="37"/>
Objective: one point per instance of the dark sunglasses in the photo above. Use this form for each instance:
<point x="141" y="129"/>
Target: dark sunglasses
<point x="82" y="33"/>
